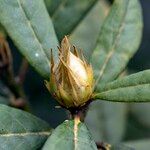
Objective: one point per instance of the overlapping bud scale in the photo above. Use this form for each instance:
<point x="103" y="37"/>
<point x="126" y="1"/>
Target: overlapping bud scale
<point x="71" y="79"/>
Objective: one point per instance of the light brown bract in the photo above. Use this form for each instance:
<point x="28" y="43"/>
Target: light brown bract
<point x="71" y="80"/>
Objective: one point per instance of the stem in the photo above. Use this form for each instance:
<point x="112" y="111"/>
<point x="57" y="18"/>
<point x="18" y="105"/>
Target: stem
<point x="22" y="71"/>
<point x="19" y="99"/>
<point x="8" y="78"/>
<point x="79" y="112"/>
<point x="75" y="130"/>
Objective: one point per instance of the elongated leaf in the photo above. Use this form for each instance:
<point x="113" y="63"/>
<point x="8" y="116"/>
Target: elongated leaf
<point x="20" y="130"/>
<point x="68" y="14"/>
<point x="118" y="41"/>
<point x="70" y="135"/>
<point x="28" y="24"/>
<point x="133" y="88"/>
<point x="86" y="33"/>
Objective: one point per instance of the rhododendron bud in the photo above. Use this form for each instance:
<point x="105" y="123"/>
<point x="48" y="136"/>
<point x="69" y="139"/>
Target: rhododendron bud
<point x="71" y="79"/>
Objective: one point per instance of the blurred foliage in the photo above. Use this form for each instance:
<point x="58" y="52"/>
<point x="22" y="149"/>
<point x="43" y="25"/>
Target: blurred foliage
<point x="139" y="144"/>
<point x="68" y="14"/>
<point x="107" y="121"/>
<point x="2" y="31"/>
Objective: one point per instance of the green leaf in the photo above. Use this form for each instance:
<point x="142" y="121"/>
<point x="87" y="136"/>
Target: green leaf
<point x="101" y="120"/>
<point x="28" y="24"/>
<point x="102" y="117"/>
<point x="53" y="5"/>
<point x="86" y="33"/>
<point x="68" y="14"/>
<point x="70" y="135"/>
<point x="143" y="144"/>
<point x="119" y="39"/>
<point x="133" y="88"/>
<point x="20" y="130"/>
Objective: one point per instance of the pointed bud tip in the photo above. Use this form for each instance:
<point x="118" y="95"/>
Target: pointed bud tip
<point x="72" y="75"/>
<point x="65" y="40"/>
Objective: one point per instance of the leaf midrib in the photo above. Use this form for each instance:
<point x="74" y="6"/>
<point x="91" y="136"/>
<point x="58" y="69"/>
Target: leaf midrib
<point x="111" y="52"/>
<point x="42" y="133"/>
<point x="123" y="87"/>
<point x="31" y="27"/>
<point x="38" y="133"/>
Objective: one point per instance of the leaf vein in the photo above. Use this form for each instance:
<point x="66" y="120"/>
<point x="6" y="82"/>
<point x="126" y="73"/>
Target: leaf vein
<point x="29" y="23"/>
<point x="43" y="133"/>
<point x="112" y="50"/>
<point x="129" y="86"/>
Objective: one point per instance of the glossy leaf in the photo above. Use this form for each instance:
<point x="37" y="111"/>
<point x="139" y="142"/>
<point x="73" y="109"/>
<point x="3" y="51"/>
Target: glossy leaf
<point x="133" y="88"/>
<point x="67" y="136"/>
<point x="68" y="14"/>
<point x="86" y="33"/>
<point x="119" y="39"/>
<point x="20" y="130"/>
<point x="28" y="24"/>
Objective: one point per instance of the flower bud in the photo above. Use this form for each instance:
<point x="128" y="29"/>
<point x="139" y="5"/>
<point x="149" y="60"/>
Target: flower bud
<point x="71" y="80"/>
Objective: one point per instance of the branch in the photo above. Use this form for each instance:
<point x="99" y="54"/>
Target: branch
<point x="7" y="76"/>
<point x="22" y="71"/>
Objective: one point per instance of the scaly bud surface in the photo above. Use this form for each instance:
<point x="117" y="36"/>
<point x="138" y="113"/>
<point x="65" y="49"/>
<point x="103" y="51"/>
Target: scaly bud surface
<point x="71" y="79"/>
